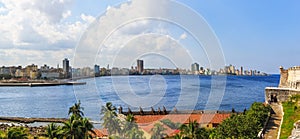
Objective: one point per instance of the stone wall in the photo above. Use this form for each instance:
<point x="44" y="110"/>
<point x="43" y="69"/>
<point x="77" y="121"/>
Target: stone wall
<point x="283" y="77"/>
<point x="290" y="78"/>
<point x="273" y="94"/>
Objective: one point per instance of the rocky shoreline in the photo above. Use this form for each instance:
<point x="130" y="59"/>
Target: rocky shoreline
<point x="34" y="131"/>
<point x="10" y="122"/>
<point x="32" y="120"/>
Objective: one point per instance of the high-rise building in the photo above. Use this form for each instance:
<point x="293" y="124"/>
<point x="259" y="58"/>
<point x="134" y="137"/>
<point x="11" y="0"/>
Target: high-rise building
<point x="140" y="66"/>
<point x="97" y="70"/>
<point x="66" y="68"/>
<point x="232" y="69"/>
<point x="195" y="68"/>
<point x="242" y="71"/>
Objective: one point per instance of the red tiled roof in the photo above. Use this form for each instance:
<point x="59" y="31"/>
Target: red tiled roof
<point x="101" y="133"/>
<point x="147" y="122"/>
<point x="176" y="118"/>
<point x="218" y="118"/>
<point x="147" y="128"/>
<point x="182" y="118"/>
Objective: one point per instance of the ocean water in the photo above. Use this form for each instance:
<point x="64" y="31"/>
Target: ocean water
<point x="182" y="92"/>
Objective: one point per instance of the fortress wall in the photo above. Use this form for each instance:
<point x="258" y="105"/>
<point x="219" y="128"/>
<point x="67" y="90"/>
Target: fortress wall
<point x="283" y="78"/>
<point x="289" y="85"/>
<point x="282" y="94"/>
<point x="293" y="75"/>
<point x="289" y="77"/>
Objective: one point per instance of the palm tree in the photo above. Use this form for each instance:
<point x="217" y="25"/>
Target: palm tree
<point x="3" y="135"/>
<point x="76" y="110"/>
<point x="71" y="129"/>
<point x="110" y="120"/>
<point x="53" y="131"/>
<point x="86" y="127"/>
<point x="130" y="129"/>
<point x="17" y="133"/>
<point x="158" y="131"/>
<point x="129" y="122"/>
<point x="193" y="131"/>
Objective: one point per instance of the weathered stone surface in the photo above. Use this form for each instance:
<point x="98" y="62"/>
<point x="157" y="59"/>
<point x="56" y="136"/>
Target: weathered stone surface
<point x="296" y="131"/>
<point x="290" y="78"/>
<point x="289" y="85"/>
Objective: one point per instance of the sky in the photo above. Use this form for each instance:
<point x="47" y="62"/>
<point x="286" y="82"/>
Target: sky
<point x="255" y="34"/>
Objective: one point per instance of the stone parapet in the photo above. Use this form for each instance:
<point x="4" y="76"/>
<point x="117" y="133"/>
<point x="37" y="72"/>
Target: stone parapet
<point x="274" y="94"/>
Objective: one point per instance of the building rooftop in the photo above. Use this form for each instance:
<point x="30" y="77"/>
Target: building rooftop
<point x="183" y="118"/>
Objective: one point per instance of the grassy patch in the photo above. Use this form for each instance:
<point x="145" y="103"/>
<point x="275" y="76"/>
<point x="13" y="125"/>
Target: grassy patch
<point x="291" y="111"/>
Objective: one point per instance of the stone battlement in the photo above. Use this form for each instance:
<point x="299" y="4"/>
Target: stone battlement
<point x="289" y="85"/>
<point x="294" y="68"/>
<point x="290" y="78"/>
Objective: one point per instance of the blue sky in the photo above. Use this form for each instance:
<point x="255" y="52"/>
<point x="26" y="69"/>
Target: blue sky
<point x="255" y="34"/>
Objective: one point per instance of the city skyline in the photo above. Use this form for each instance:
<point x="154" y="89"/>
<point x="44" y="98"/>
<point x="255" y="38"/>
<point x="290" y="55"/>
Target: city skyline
<point x="264" y="38"/>
<point x="45" y="72"/>
<point x="139" y="66"/>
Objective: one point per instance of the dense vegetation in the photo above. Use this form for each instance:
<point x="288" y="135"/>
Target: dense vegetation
<point x="245" y="125"/>
<point x="117" y="127"/>
<point x="76" y="127"/>
<point x="239" y="126"/>
<point x="291" y="115"/>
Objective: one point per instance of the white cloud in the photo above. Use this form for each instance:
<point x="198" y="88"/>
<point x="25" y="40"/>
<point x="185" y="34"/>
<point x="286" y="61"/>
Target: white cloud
<point x="119" y="35"/>
<point x="162" y="47"/>
<point x="87" y="18"/>
<point x="67" y="14"/>
<point x="25" y="57"/>
<point x="183" y="36"/>
<point x="36" y="27"/>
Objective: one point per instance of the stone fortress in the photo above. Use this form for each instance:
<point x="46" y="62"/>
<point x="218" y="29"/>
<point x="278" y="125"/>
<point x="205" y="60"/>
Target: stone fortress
<point x="289" y="85"/>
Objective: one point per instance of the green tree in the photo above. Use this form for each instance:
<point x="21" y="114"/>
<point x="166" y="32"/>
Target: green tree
<point x="245" y="126"/>
<point x="3" y="135"/>
<point x="86" y="128"/>
<point x="259" y="112"/>
<point x="77" y="127"/>
<point x="17" y="133"/>
<point x="110" y="120"/>
<point x="193" y="131"/>
<point x="158" y="131"/>
<point x="53" y="131"/>
<point x="76" y="110"/>
<point x="170" y="124"/>
<point x="130" y="129"/>
<point x="71" y="129"/>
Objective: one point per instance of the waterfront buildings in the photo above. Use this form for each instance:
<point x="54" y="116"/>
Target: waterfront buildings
<point x="140" y="66"/>
<point x="227" y="70"/>
<point x="66" y="68"/>
<point x="242" y="71"/>
<point x="195" y="68"/>
<point x="46" y="72"/>
<point x="97" y="70"/>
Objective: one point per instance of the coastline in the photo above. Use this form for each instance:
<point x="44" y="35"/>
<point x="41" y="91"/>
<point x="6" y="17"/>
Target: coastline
<point x="36" y="84"/>
<point x="32" y="120"/>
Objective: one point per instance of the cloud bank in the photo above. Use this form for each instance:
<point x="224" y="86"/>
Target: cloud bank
<point x="39" y="29"/>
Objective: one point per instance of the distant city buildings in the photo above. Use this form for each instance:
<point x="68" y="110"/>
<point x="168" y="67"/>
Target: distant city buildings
<point x="227" y="70"/>
<point x="195" y="68"/>
<point x="46" y="72"/>
<point x="97" y="70"/>
<point x="140" y="66"/>
<point x="66" y="68"/>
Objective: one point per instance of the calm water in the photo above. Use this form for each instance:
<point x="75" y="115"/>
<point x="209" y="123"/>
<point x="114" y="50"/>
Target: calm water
<point x="183" y="92"/>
